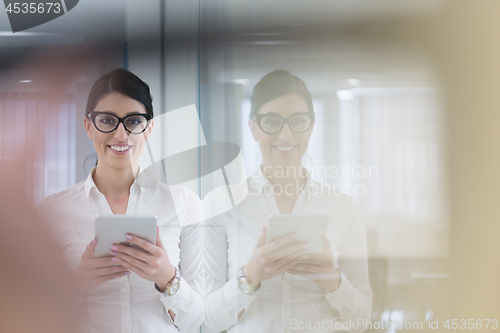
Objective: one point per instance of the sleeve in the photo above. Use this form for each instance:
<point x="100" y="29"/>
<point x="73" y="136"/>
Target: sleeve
<point x="43" y="216"/>
<point x="224" y="302"/>
<point x="187" y="302"/>
<point x="352" y="300"/>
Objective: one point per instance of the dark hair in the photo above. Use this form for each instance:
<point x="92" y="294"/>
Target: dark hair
<point x="276" y="84"/>
<point x="121" y="81"/>
<point x="124" y="82"/>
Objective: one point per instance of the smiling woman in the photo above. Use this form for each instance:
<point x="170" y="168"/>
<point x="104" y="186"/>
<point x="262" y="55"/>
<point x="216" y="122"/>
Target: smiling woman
<point x="130" y="290"/>
<point x="284" y="128"/>
<point x="116" y="116"/>
<point x="114" y="95"/>
<point x="258" y="286"/>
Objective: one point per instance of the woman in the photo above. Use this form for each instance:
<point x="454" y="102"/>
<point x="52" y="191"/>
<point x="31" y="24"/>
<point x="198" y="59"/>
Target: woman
<point x="256" y="289"/>
<point x="129" y="291"/>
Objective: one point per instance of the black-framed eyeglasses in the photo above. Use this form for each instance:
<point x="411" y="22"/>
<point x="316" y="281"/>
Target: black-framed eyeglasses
<point x="107" y="122"/>
<point x="272" y="124"/>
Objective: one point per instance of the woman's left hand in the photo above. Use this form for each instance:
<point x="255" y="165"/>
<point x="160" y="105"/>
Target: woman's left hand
<point x="319" y="269"/>
<point x="153" y="266"/>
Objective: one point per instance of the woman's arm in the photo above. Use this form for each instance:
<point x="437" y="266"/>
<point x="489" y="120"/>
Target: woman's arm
<point x="185" y="307"/>
<point x="347" y="288"/>
<point x="187" y="303"/>
<point x="352" y="300"/>
<point x="224" y="301"/>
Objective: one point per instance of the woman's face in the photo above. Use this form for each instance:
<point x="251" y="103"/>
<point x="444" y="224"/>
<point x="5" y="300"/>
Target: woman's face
<point x="286" y="147"/>
<point x="118" y="149"/>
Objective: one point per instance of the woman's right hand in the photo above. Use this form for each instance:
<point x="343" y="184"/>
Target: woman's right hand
<point x="93" y="272"/>
<point x="264" y="265"/>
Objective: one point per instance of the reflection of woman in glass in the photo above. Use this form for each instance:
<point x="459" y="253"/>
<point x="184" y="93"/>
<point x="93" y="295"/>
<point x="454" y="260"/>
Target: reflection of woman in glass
<point x="251" y="289"/>
<point x="130" y="291"/>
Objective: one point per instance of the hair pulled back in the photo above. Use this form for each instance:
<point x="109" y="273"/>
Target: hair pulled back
<point x="276" y="84"/>
<point x="124" y="82"/>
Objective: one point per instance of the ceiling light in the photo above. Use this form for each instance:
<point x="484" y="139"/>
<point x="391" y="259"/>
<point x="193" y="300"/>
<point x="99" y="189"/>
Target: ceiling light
<point x="4" y="33"/>
<point x="345" y="95"/>
<point x="353" y="82"/>
<point x="243" y="82"/>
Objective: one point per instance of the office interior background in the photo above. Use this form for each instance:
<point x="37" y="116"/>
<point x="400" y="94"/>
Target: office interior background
<point x="404" y="89"/>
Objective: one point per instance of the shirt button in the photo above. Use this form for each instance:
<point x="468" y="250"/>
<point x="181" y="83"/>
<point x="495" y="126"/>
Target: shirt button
<point x="124" y="284"/>
<point x="125" y="331"/>
<point x="285" y="330"/>
<point x="286" y="305"/>
<point x="287" y="282"/>
<point x="125" y="307"/>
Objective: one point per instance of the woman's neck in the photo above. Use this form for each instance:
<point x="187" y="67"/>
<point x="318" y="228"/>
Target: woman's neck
<point x="114" y="184"/>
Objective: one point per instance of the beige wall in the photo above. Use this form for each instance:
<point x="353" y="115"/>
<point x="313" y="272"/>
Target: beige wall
<point x="465" y="44"/>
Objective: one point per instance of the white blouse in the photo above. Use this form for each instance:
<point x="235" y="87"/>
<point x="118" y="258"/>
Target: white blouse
<point x="286" y="303"/>
<point x="130" y="304"/>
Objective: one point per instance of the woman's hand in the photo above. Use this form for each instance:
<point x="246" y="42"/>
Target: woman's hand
<point x="319" y="269"/>
<point x="154" y="266"/>
<point x="92" y="272"/>
<point x="264" y="265"/>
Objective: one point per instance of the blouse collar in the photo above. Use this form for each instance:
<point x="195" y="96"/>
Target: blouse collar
<point x="89" y="183"/>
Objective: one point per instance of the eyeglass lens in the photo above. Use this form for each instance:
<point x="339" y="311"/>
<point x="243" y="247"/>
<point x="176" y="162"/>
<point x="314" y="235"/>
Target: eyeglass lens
<point x="135" y="124"/>
<point x="273" y="124"/>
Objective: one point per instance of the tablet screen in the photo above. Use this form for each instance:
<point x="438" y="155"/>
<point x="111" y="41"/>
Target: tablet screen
<point x="309" y="228"/>
<point x="112" y="229"/>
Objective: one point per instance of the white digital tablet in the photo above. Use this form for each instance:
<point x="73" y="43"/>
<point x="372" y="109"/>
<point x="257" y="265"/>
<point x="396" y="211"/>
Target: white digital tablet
<point x="309" y="228"/>
<point x="112" y="229"/>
